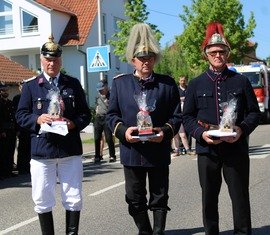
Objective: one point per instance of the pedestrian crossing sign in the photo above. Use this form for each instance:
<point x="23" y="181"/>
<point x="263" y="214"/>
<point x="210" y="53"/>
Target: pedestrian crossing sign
<point x="98" y="59"/>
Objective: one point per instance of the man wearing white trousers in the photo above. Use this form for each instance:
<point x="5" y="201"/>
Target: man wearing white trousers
<point x="46" y="99"/>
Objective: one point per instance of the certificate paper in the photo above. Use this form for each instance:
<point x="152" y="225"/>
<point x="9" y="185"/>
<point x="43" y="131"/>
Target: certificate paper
<point x="57" y="127"/>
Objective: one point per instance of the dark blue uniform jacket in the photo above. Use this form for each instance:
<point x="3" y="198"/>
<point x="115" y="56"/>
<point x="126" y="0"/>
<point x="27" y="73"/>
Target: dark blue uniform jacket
<point x="123" y="109"/>
<point x="203" y="98"/>
<point x="33" y="103"/>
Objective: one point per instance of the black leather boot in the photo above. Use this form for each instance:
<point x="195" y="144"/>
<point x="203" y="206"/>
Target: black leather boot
<point x="143" y="223"/>
<point x="72" y="222"/>
<point x="159" y="222"/>
<point x="46" y="223"/>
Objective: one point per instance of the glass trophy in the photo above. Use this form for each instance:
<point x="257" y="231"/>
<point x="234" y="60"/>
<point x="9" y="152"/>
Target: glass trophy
<point x="56" y="105"/>
<point x="55" y="109"/>
<point x="229" y="116"/>
<point x="226" y="126"/>
<point x="144" y="121"/>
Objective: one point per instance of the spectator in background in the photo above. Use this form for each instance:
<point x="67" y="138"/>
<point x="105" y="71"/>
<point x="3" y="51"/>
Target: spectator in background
<point x="181" y="135"/>
<point x="7" y="133"/>
<point x="24" y="141"/>
<point x="100" y="125"/>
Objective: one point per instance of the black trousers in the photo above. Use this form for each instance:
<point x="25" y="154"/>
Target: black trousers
<point x="235" y="168"/>
<point x="100" y="126"/>
<point x="24" y="152"/>
<point x="158" y="179"/>
<point x="7" y="148"/>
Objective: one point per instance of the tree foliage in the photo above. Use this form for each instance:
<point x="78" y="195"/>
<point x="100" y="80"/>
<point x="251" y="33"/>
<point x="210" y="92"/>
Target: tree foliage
<point x="196" y="18"/>
<point x="173" y="63"/>
<point x="135" y="10"/>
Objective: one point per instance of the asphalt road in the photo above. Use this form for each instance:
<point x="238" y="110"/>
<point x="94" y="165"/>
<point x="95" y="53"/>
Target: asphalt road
<point x="105" y="210"/>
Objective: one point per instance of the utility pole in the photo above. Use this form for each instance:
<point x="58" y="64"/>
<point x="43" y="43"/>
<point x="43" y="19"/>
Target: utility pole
<point x="101" y="75"/>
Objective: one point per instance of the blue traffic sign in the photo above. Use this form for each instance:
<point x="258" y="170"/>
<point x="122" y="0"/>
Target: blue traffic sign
<point x="98" y="59"/>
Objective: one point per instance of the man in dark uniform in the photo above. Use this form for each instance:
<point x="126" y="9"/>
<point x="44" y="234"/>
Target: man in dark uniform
<point x="100" y="125"/>
<point x="7" y="133"/>
<point x="151" y="157"/>
<point x="24" y="142"/>
<point x="203" y="109"/>
<point x="54" y="155"/>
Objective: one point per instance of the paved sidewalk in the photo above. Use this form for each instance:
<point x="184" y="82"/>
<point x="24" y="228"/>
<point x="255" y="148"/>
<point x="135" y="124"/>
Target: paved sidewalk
<point x="88" y="149"/>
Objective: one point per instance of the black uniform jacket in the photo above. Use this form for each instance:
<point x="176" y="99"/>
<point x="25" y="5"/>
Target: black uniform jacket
<point x="202" y="103"/>
<point x="33" y="103"/>
<point x="123" y="110"/>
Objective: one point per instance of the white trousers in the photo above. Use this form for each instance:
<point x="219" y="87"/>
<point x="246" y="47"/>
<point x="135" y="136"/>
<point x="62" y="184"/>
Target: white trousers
<point x="44" y="174"/>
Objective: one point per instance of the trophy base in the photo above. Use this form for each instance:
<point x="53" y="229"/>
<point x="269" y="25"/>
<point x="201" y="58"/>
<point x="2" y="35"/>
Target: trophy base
<point x="146" y="132"/>
<point x="145" y="137"/>
<point x="219" y="133"/>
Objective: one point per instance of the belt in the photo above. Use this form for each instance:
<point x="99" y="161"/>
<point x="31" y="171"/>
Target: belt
<point x="208" y="126"/>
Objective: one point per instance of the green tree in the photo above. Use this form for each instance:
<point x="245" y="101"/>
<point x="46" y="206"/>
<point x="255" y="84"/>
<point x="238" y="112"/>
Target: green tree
<point x="173" y="63"/>
<point x="196" y="18"/>
<point x="135" y="10"/>
<point x="268" y="61"/>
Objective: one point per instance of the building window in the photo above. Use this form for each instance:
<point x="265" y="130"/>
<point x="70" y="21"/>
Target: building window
<point x="117" y="63"/>
<point x="104" y="35"/>
<point x="21" y="59"/>
<point x="6" y="18"/>
<point x="38" y="65"/>
<point x="115" y="24"/>
<point x="29" y="23"/>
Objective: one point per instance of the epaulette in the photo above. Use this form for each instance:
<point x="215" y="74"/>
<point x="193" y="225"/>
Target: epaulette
<point x="29" y="79"/>
<point x="119" y="75"/>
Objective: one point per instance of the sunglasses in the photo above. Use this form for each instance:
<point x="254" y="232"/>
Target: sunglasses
<point x="214" y="53"/>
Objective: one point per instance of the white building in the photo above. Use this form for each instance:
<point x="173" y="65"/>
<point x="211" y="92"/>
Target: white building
<point x="26" y="24"/>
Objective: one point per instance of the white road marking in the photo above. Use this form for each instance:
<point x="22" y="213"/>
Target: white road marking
<point x="106" y="189"/>
<point x="259" y="152"/>
<point x="16" y="226"/>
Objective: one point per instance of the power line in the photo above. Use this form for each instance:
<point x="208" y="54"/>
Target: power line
<point x="163" y="13"/>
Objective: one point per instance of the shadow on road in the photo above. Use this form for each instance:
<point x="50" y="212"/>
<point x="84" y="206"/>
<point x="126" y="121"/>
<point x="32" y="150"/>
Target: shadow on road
<point x="255" y="231"/>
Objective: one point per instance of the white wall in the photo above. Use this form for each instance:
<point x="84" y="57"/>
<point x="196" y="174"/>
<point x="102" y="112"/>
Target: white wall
<point x="55" y="22"/>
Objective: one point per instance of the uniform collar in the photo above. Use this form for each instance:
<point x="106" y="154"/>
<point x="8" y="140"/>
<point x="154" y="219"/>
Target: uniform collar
<point x="214" y="76"/>
<point x="48" y="77"/>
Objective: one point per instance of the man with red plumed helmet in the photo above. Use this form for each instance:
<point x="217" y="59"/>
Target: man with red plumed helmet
<point x="220" y="112"/>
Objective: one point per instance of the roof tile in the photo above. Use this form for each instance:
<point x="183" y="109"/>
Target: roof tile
<point x="12" y="72"/>
<point x="79" y="25"/>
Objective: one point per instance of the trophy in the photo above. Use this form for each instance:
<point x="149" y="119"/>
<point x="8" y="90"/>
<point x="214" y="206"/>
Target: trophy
<point x="56" y="105"/>
<point x="225" y="128"/>
<point x="229" y="115"/>
<point x="55" y="109"/>
<point x="144" y="121"/>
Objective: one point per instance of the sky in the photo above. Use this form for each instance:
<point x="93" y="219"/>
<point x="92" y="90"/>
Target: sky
<point x="164" y="14"/>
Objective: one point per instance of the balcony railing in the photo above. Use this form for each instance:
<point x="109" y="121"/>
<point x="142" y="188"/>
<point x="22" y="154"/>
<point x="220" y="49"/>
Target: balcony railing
<point x="30" y="29"/>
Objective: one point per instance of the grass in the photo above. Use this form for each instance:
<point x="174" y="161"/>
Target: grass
<point x="88" y="141"/>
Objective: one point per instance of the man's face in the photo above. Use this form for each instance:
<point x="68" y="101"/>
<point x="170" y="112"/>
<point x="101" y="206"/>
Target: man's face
<point x="217" y="56"/>
<point x="4" y="93"/>
<point x="104" y="91"/>
<point x="144" y="65"/>
<point x="51" y="66"/>
<point x="182" y="81"/>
